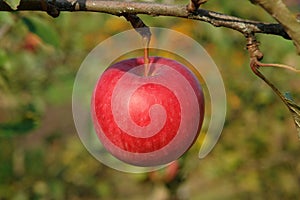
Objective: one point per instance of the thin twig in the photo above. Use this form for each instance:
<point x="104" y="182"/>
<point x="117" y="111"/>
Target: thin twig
<point x="138" y="24"/>
<point x="255" y="64"/>
<point x="277" y="65"/>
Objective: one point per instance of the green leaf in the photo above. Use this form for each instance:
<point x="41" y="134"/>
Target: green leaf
<point x="28" y="121"/>
<point x="43" y="29"/>
<point x="3" y="58"/>
<point x="17" y="128"/>
<point x="6" y="18"/>
<point x="13" y="3"/>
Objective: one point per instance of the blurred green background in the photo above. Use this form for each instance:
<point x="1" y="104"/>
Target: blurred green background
<point x="42" y="157"/>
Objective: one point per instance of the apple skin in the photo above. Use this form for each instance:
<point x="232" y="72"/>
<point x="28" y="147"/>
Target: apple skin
<point x="147" y="120"/>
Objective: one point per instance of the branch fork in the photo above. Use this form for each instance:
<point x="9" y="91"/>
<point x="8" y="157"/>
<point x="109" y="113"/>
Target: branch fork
<point x="195" y="4"/>
<point x="255" y="57"/>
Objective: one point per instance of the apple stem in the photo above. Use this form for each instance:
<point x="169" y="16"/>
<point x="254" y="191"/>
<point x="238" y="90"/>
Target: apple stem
<point x="146" y="56"/>
<point x="146" y="61"/>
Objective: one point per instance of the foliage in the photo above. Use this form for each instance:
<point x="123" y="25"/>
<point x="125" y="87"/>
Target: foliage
<point x="41" y="155"/>
<point x="13" y="3"/>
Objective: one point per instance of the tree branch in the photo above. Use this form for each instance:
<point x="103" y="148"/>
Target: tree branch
<point x="119" y="8"/>
<point x="195" y="4"/>
<point x="282" y="14"/>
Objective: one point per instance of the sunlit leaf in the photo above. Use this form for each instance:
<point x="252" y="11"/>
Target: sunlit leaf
<point x="13" y="3"/>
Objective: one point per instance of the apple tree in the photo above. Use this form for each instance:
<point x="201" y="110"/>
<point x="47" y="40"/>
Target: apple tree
<point x="261" y="30"/>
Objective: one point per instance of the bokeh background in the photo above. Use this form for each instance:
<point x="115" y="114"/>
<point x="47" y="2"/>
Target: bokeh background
<point x="42" y="157"/>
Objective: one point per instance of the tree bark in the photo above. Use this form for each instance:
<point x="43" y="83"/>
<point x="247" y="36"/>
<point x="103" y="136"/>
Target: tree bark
<point x="120" y="8"/>
<point x="278" y="10"/>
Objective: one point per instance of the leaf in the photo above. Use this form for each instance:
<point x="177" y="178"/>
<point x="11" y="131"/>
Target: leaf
<point x="13" y="4"/>
<point x="28" y="121"/>
<point x="17" y="128"/>
<point x="6" y="18"/>
<point x="43" y="29"/>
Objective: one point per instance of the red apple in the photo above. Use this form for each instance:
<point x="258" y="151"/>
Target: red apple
<point x="147" y="120"/>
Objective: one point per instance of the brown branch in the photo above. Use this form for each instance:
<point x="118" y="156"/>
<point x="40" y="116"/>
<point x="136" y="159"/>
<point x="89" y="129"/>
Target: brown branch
<point x="145" y="32"/>
<point x="139" y="26"/>
<point x="194" y="5"/>
<point x="282" y="14"/>
<point x="120" y="8"/>
<point x="255" y="56"/>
